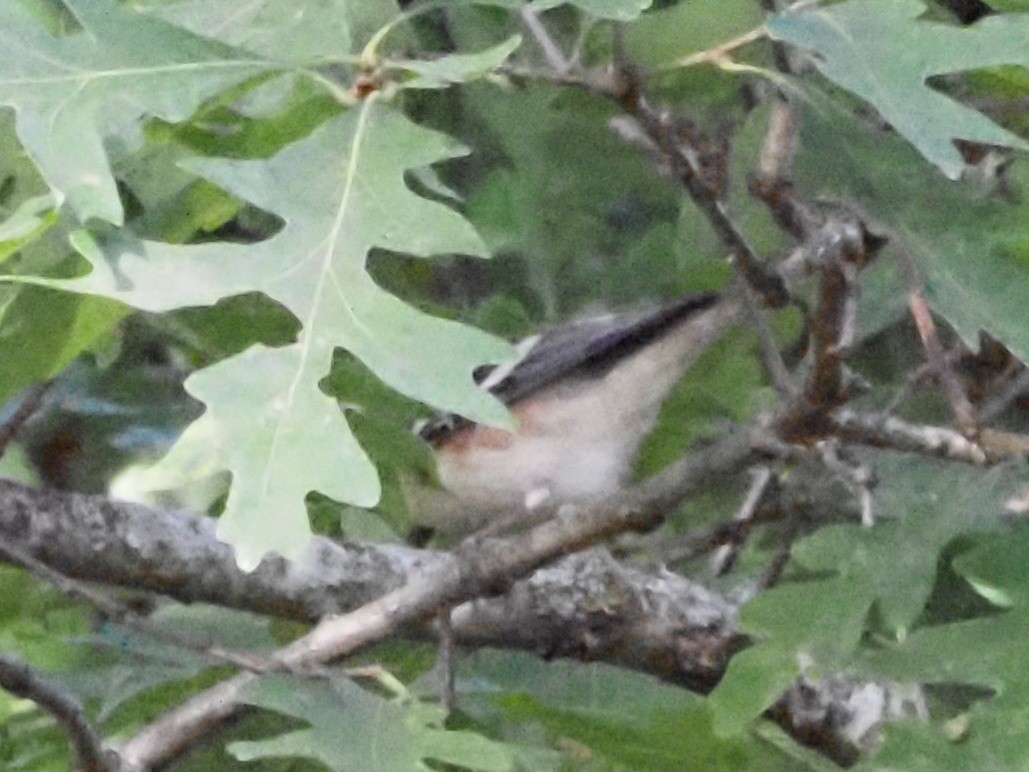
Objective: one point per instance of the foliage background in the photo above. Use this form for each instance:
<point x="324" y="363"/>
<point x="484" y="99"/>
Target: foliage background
<point x="199" y="155"/>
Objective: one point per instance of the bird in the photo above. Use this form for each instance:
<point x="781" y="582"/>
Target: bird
<point x="584" y="396"/>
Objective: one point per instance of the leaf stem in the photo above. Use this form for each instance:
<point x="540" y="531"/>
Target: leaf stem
<point x="717" y="55"/>
<point x="337" y="92"/>
<point x="369" y="55"/>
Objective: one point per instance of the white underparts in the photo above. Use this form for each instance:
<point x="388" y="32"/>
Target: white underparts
<point x="577" y="440"/>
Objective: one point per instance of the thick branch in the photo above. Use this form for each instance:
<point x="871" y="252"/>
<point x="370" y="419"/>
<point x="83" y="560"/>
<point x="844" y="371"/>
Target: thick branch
<point x="591" y="607"/>
<point x="177" y="554"/>
<point x="477" y="568"/>
<point x="661" y="624"/>
<point x="191" y="565"/>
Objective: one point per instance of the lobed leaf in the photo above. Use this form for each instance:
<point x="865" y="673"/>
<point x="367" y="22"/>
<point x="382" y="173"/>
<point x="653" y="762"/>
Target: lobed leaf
<point x="879" y="50"/>
<point x="814" y="626"/>
<point x="458" y="68"/>
<point x="72" y="94"/>
<point x="971" y="249"/>
<point x="341" y="192"/>
<point x="988" y="651"/>
<point x="353" y="730"/>
<point x="283" y="30"/>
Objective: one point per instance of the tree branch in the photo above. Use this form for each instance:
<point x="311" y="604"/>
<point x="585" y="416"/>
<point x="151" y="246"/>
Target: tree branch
<point x="551" y="50"/>
<point x="177" y="554"/>
<point x="88" y="752"/>
<point x="31" y="400"/>
<point x="936" y="355"/>
<point x="476" y="568"/>
<point x="878" y="431"/>
<point x="681" y="151"/>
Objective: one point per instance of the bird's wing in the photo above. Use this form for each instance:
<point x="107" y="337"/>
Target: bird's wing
<point x="589" y="348"/>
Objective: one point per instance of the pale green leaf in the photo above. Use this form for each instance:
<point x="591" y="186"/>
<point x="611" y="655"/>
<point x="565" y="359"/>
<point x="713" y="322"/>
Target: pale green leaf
<point x="879" y="50"/>
<point x="74" y="92"/>
<point x="29" y="221"/>
<point x="458" y="68"/>
<point x="617" y="10"/>
<point x="268" y="423"/>
<point x="41" y="331"/>
<point x="279" y="29"/>
<point x="341" y="192"/>
<point x="353" y="730"/>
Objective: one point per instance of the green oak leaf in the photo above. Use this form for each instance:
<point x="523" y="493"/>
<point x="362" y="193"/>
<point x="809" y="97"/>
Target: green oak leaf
<point x="144" y="661"/>
<point x="341" y="192"/>
<point x="616" y="10"/>
<point x="279" y="29"/>
<point x="623" y="720"/>
<point x="971" y="249"/>
<point x="28" y="222"/>
<point x="457" y="68"/>
<point x="814" y="626"/>
<point x="42" y="331"/>
<point x="270" y="425"/>
<point x="988" y="652"/>
<point x="353" y="730"/>
<point x="879" y="50"/>
<point x="73" y="93"/>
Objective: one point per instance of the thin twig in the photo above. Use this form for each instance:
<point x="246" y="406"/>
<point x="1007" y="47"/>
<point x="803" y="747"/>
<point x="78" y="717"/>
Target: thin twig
<point x="999" y="444"/>
<point x="919" y="374"/>
<point x="773" y="181"/>
<point x="860" y="479"/>
<point x="680" y="153"/>
<point x="891" y="432"/>
<point x="935" y="353"/>
<point x="1012" y="390"/>
<point x="719" y="53"/>
<point x="685" y="170"/>
<point x="125" y="616"/>
<point x="709" y="538"/>
<point x="445" y="660"/>
<point x="764" y="483"/>
<point x="775" y="365"/>
<point x="31" y="401"/>
<point x="88" y="752"/>
<point x="838" y="251"/>
<point x="551" y="50"/>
